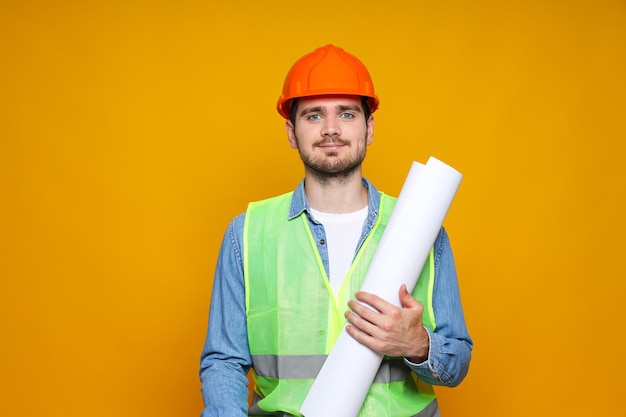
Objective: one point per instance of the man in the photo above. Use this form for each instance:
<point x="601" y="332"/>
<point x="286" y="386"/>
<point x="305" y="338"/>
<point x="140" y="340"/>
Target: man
<point x="290" y="268"/>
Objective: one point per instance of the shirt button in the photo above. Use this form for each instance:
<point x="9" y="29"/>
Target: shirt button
<point x="322" y="332"/>
<point x="322" y="241"/>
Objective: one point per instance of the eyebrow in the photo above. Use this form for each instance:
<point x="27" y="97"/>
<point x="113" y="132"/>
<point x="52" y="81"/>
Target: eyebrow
<point x="341" y="107"/>
<point x="316" y="109"/>
<point x="353" y="108"/>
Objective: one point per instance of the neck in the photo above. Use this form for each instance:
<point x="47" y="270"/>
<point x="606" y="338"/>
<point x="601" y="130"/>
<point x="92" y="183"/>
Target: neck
<point x="336" y="195"/>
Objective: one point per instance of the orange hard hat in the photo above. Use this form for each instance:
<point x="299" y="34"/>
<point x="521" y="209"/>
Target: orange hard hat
<point x="327" y="70"/>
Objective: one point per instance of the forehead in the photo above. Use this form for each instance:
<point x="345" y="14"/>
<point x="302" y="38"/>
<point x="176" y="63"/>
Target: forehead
<point x="330" y="101"/>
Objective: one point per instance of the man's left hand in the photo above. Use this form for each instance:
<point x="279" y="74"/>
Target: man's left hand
<point x="388" y="329"/>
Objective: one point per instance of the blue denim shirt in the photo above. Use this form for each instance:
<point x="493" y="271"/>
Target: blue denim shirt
<point x="226" y="359"/>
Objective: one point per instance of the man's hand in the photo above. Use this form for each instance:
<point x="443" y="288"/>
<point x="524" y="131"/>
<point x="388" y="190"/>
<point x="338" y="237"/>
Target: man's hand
<point x="390" y="330"/>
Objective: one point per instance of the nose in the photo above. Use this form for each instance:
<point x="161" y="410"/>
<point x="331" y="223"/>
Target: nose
<point x="330" y="127"/>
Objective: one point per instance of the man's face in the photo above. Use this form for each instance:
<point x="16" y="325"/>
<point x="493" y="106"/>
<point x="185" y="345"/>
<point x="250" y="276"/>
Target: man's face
<point x="331" y="135"/>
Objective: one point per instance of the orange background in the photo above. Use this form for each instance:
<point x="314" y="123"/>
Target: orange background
<point x="132" y="132"/>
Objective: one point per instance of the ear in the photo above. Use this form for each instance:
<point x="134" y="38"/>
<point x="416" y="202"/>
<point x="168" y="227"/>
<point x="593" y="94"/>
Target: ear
<point x="370" y="130"/>
<point x="291" y="134"/>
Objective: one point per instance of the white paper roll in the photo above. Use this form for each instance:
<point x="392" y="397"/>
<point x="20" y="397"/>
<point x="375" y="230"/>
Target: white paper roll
<point x="345" y="378"/>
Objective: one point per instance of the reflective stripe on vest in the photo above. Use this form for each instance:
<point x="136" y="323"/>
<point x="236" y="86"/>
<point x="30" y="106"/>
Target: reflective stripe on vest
<point x="431" y="410"/>
<point x="307" y="367"/>
<point x="294" y="318"/>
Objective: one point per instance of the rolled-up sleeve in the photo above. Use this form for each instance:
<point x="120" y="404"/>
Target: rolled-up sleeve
<point x="450" y="343"/>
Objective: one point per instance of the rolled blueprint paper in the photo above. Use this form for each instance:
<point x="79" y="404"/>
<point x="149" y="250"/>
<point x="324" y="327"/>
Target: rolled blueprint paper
<point x="347" y="374"/>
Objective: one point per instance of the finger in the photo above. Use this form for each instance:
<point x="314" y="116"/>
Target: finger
<point x="407" y="299"/>
<point x="360" y="324"/>
<point x="373" y="300"/>
<point x="363" y="311"/>
<point x="360" y="336"/>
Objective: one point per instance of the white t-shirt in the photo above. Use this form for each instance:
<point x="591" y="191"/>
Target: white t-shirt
<point x="342" y="235"/>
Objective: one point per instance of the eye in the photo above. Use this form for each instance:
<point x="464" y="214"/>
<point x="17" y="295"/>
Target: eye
<point x="314" y="116"/>
<point x="347" y="115"/>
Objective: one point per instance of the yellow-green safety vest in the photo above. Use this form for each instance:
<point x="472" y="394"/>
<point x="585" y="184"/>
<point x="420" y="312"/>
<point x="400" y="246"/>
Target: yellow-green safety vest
<point x="294" y="318"/>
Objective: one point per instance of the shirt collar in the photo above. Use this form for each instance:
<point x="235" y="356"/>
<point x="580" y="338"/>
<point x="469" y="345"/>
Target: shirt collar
<point x="299" y="203"/>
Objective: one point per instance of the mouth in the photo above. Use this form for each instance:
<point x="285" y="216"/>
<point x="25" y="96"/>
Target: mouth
<point x="332" y="145"/>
